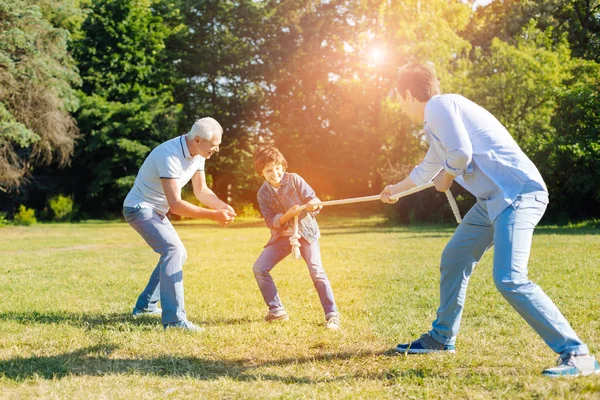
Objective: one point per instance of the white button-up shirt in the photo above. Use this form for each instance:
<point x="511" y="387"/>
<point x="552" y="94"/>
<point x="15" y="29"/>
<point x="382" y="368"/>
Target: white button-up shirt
<point x="470" y="143"/>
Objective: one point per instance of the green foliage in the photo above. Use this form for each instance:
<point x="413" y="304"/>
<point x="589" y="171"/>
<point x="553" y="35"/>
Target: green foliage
<point x="571" y="160"/>
<point x="37" y="75"/>
<point x="297" y="74"/>
<point x="247" y="210"/>
<point x="519" y="84"/>
<point x="3" y="220"/>
<point x="62" y="207"/>
<point x="25" y="216"/>
<point x="127" y="94"/>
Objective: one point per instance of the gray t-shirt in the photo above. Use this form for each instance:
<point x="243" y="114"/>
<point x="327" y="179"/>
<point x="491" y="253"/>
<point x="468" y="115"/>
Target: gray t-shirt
<point x="170" y="160"/>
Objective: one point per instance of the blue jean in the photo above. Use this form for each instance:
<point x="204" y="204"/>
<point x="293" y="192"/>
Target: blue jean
<point x="511" y="234"/>
<point x="166" y="281"/>
<point x="277" y="251"/>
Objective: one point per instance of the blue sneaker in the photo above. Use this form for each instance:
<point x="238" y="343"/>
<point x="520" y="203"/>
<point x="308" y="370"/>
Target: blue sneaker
<point x="137" y="312"/>
<point x="185" y="326"/>
<point x="423" y="345"/>
<point x="572" y="365"/>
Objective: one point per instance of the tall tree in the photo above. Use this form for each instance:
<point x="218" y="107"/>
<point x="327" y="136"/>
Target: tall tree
<point x="223" y="70"/>
<point x="578" y="19"/>
<point x="127" y="95"/>
<point x="520" y="83"/>
<point x="37" y="76"/>
<point x="571" y="159"/>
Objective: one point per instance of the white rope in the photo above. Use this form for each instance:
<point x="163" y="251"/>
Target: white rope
<point x="453" y="206"/>
<point x="294" y="239"/>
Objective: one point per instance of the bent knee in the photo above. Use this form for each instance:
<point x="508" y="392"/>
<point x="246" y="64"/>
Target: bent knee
<point x="508" y="286"/>
<point x="176" y="251"/>
<point x="261" y="269"/>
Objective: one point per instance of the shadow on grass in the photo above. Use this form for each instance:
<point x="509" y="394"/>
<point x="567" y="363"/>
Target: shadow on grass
<point x="91" y="321"/>
<point x="82" y="320"/>
<point x="97" y="361"/>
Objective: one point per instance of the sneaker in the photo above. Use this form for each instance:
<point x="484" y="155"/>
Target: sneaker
<point x="185" y="326"/>
<point x="332" y="321"/>
<point x="572" y="365"/>
<point x="137" y="312"/>
<point x="423" y="345"/>
<point x="277" y="316"/>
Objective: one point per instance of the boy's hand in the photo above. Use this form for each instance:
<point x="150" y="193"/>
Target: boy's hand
<point x="310" y="206"/>
<point x="386" y="193"/>
<point x="294" y="211"/>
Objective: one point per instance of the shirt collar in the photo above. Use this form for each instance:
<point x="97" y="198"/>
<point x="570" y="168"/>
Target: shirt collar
<point x="284" y="181"/>
<point x="184" y="147"/>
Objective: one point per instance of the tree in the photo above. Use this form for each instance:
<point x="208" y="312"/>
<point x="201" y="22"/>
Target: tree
<point x="520" y="83"/>
<point x="127" y="94"/>
<point x="37" y="76"/>
<point x="571" y="160"/>
<point x="220" y="58"/>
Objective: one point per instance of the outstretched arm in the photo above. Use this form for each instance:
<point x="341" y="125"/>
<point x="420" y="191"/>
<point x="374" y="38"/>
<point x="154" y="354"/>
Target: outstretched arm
<point x="178" y="206"/>
<point x="391" y="190"/>
<point x="205" y="195"/>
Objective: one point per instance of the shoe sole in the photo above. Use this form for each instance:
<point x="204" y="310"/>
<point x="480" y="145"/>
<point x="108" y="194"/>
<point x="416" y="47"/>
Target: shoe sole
<point x="135" y="316"/>
<point x="553" y="376"/>
<point x="280" y="319"/>
<point x="421" y="351"/>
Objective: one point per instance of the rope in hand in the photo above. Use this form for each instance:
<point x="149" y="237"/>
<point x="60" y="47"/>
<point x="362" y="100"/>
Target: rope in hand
<point x="295" y="238"/>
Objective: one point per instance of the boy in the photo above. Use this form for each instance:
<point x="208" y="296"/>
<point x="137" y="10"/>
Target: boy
<point x="469" y="145"/>
<point x="279" y="199"/>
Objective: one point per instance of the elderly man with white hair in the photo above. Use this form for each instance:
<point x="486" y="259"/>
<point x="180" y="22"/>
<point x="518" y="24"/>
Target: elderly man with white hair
<point x="157" y="189"/>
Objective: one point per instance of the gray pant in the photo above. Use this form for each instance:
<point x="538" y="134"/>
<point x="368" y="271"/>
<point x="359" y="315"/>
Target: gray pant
<point x="277" y="251"/>
<point x="511" y="235"/>
<point x="166" y="281"/>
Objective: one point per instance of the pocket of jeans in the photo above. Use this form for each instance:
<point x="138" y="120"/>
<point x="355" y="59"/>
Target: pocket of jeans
<point x="136" y="214"/>
<point x="517" y="202"/>
<point x="542" y="198"/>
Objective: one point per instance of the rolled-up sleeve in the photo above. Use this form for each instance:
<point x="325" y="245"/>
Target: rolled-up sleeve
<point x="445" y="124"/>
<point x="426" y="170"/>
<point x="306" y="192"/>
<point x="270" y="215"/>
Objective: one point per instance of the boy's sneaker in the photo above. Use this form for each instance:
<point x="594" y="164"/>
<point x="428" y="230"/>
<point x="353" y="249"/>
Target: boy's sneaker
<point x="185" y="326"/>
<point x="423" y="345"/>
<point x="137" y="312"/>
<point x="572" y="365"/>
<point x="332" y="321"/>
<point x="277" y="316"/>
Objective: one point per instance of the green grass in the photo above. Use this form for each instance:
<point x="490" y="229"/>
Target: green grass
<point x="67" y="290"/>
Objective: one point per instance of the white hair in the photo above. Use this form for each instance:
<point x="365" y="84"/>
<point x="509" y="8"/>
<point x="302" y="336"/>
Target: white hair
<point x="205" y="128"/>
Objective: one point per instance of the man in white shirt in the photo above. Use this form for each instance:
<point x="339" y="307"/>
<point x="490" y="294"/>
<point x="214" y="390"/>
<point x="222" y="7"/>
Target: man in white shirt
<point x="467" y="144"/>
<point x="157" y="190"/>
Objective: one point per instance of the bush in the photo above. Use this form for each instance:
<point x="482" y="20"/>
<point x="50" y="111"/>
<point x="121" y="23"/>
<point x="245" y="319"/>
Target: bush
<point x="62" y="207"/>
<point x="248" y="210"/>
<point x="25" y="216"/>
<point x="3" y="220"/>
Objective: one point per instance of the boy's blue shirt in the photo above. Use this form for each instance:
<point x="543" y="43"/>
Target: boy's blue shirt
<point x="293" y="191"/>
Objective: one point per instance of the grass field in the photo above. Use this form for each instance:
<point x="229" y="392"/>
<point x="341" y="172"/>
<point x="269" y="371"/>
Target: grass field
<point x="67" y="291"/>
